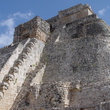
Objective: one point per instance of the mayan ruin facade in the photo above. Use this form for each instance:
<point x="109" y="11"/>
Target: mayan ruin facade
<point x="62" y="63"/>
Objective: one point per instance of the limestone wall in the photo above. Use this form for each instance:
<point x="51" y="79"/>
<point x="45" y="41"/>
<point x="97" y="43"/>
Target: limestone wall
<point x="52" y="97"/>
<point x="78" y="50"/>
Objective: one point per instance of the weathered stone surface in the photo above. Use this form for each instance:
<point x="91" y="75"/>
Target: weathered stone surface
<point x="62" y="63"/>
<point x="74" y="13"/>
<point x="36" y="28"/>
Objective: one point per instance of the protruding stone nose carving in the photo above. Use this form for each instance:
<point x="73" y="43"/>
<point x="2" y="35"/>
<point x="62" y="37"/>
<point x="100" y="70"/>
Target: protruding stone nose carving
<point x="27" y="50"/>
<point x="4" y="86"/>
<point x="18" y="63"/>
<point x="30" y="45"/>
<point x="34" y="40"/>
<point x="9" y="77"/>
<point x="23" y="56"/>
<point x="13" y="70"/>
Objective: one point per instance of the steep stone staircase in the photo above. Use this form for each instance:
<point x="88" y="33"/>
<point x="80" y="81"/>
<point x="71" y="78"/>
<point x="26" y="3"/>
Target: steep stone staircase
<point x="26" y="61"/>
<point x="8" y="55"/>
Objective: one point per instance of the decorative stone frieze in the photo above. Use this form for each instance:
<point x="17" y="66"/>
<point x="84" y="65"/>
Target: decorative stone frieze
<point x="34" y="40"/>
<point x="27" y="50"/>
<point x="13" y="70"/>
<point x="4" y="86"/>
<point x="18" y="63"/>
<point x="32" y="29"/>
<point x="23" y="56"/>
<point x="30" y="45"/>
<point x="10" y="77"/>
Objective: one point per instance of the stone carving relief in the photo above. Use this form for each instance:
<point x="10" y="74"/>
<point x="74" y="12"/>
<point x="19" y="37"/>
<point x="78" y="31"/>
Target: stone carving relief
<point x="27" y="50"/>
<point x="9" y="77"/>
<point x="34" y="40"/>
<point x="13" y="70"/>
<point x="23" y="56"/>
<point x="31" y="29"/>
<point x="38" y="33"/>
<point x="4" y="86"/>
<point x="18" y="63"/>
<point x="30" y="45"/>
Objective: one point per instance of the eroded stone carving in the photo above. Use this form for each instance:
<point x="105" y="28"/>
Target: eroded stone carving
<point x="30" y="29"/>
<point x="34" y="40"/>
<point x="13" y="70"/>
<point x="27" y="50"/>
<point x="9" y="77"/>
<point x="23" y="56"/>
<point x="30" y="45"/>
<point x="4" y="86"/>
<point x="18" y="63"/>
